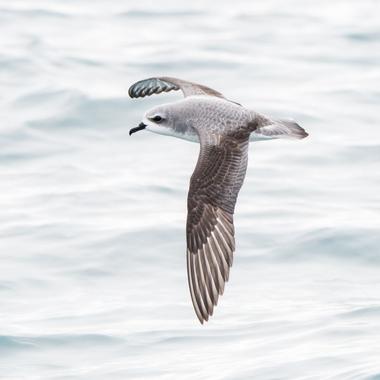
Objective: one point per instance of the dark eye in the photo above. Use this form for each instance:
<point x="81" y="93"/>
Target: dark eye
<point x="157" y="118"/>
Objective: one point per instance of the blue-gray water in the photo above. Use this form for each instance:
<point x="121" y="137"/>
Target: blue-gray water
<point x="92" y="246"/>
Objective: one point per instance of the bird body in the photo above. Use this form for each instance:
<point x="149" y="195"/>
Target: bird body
<point x="223" y="128"/>
<point x="198" y="114"/>
<point x="195" y="115"/>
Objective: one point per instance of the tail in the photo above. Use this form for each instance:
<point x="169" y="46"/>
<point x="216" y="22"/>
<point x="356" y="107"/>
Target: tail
<point x="267" y="129"/>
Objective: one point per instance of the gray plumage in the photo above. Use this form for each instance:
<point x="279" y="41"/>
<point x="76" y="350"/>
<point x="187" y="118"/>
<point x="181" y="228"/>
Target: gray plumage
<point x="223" y="128"/>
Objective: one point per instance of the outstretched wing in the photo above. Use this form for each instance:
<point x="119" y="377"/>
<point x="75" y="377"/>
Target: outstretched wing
<point x="214" y="188"/>
<point x="147" y="87"/>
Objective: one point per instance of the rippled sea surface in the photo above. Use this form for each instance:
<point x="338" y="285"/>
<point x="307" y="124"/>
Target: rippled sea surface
<point x="92" y="244"/>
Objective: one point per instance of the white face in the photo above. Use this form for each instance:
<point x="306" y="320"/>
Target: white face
<point x="157" y="122"/>
<point x="162" y="120"/>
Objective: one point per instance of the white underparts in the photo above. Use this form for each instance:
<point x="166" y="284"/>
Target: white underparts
<point x="259" y="137"/>
<point x="167" y="131"/>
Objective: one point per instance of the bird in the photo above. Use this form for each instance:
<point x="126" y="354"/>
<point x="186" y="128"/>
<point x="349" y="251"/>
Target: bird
<point x="223" y="128"/>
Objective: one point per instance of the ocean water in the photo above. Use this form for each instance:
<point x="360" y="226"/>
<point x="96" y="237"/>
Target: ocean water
<point x="92" y="243"/>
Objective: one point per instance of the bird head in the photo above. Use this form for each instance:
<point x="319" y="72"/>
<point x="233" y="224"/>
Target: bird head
<point x="158" y="120"/>
<point x="173" y="119"/>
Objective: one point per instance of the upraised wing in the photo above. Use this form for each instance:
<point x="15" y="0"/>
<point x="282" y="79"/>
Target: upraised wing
<point x="147" y="87"/>
<point x="214" y="188"/>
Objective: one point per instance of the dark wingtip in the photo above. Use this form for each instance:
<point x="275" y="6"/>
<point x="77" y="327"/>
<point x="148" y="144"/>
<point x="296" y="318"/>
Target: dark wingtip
<point x="150" y="86"/>
<point x="130" y="92"/>
<point x="201" y="320"/>
<point x="303" y="134"/>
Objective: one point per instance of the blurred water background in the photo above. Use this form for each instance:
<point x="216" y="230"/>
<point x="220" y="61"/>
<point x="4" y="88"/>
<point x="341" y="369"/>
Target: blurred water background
<point x="92" y="244"/>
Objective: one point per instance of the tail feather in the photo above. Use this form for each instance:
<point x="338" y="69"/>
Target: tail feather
<point x="277" y="129"/>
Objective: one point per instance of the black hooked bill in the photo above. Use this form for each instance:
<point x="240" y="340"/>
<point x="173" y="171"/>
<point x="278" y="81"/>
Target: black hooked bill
<point x="140" y="127"/>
